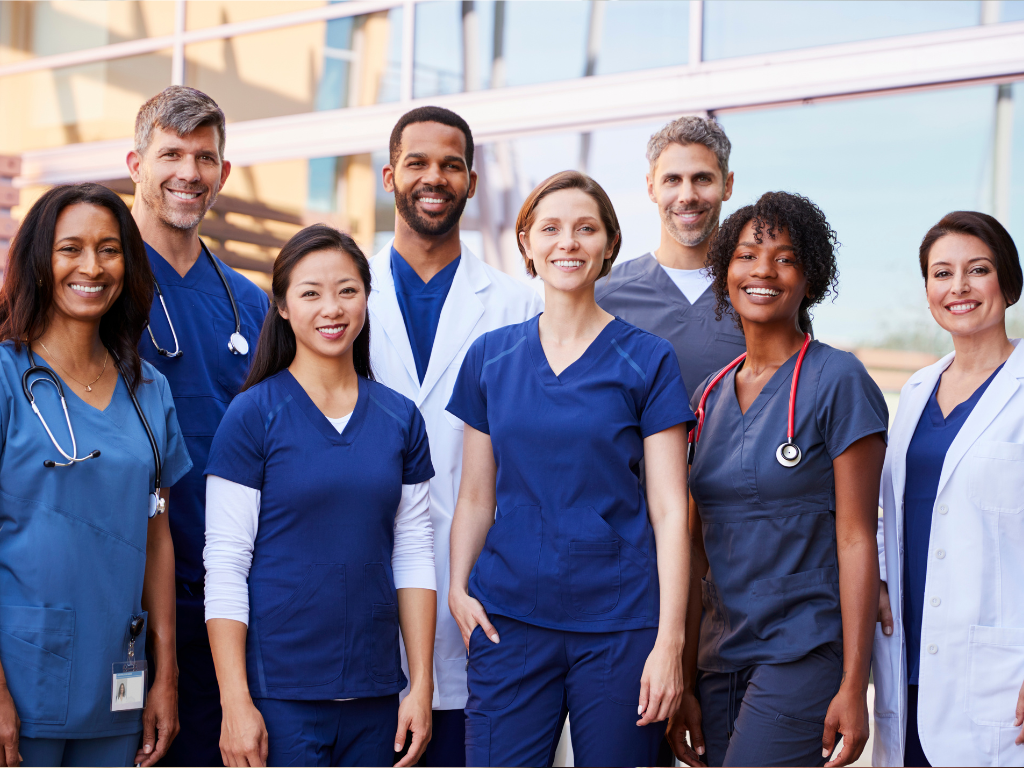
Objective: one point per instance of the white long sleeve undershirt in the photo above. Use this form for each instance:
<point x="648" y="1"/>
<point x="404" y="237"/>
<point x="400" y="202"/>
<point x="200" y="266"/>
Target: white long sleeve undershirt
<point x="232" y="520"/>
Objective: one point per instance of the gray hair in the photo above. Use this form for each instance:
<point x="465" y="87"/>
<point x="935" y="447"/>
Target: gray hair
<point x="180" y="109"/>
<point x="692" y="129"/>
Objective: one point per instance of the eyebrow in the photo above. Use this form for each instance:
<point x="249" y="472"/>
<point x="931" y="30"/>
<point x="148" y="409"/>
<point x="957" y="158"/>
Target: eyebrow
<point x="748" y="244"/>
<point x="318" y="283"/>
<point x="969" y="261"/>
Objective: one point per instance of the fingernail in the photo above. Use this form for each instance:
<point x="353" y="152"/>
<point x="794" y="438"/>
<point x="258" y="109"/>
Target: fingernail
<point x="824" y="752"/>
<point x="494" y="638"/>
<point x="887" y="630"/>
<point x="148" y="748"/>
<point x="398" y="747"/>
<point x="700" y="750"/>
<point x="640" y="710"/>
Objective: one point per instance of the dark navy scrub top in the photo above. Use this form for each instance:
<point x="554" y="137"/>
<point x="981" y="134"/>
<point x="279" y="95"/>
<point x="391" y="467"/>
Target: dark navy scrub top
<point x="925" y="456"/>
<point x="421" y="304"/>
<point x="73" y="545"/>
<point x="203" y="380"/>
<point x="572" y="546"/>
<point x="772" y="593"/>
<point x="323" y="614"/>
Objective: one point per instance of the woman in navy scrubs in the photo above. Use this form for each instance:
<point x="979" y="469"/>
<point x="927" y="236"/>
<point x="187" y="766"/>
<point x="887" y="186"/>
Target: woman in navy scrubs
<point x="785" y="564"/>
<point x="570" y="597"/>
<point x="318" y="538"/>
<point x="84" y="559"/>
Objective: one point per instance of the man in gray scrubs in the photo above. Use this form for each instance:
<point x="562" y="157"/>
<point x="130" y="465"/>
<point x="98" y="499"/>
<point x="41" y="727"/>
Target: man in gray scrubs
<point x="667" y="292"/>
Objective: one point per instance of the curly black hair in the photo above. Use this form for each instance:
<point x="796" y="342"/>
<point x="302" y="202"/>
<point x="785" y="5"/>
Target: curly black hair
<point x="814" y="244"/>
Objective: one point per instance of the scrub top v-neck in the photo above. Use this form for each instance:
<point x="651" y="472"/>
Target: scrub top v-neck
<point x="572" y="546"/>
<point x="772" y="593"/>
<point x="323" y="620"/>
<point x="421" y="304"/>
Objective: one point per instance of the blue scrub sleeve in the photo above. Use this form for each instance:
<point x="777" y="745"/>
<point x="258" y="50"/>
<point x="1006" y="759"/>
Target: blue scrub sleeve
<point x="175" y="461"/>
<point x="848" y="403"/>
<point x="237" y="452"/>
<point x="468" y="401"/>
<point x="666" y="402"/>
<point x="418" y="467"/>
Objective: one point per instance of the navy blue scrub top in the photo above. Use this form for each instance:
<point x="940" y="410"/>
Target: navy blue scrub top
<point x="323" y="614"/>
<point x="73" y="547"/>
<point x="203" y="380"/>
<point x="421" y="304"/>
<point x="572" y="515"/>
<point x="772" y="593"/>
<point x="925" y="456"/>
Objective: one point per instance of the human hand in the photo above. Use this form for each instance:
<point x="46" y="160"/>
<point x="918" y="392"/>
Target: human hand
<point x="469" y="613"/>
<point x="884" y="609"/>
<point x="159" y="722"/>
<point x="414" y="715"/>
<point x="661" y="685"/>
<point x="1019" y="719"/>
<point x="687" y="718"/>
<point x="847" y="715"/>
<point x="243" y="735"/>
<point x="10" y="728"/>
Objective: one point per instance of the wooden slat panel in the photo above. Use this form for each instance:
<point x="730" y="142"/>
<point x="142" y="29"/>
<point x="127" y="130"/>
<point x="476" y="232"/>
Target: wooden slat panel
<point x="224" y="230"/>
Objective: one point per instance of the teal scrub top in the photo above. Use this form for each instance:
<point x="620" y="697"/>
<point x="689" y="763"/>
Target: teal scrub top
<point x="73" y="545"/>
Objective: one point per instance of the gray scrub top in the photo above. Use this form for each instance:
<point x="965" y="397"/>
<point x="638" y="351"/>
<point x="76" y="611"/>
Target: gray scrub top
<point x="641" y="293"/>
<point x="772" y="591"/>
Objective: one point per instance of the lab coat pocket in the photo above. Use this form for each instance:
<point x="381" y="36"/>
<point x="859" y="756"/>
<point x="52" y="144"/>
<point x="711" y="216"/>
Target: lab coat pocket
<point x="594" y="575"/>
<point x="995" y="672"/>
<point x="385" y="656"/>
<point x="997" y="476"/>
<point x="507" y="570"/>
<point x="884" y="661"/>
<point x="35" y="650"/>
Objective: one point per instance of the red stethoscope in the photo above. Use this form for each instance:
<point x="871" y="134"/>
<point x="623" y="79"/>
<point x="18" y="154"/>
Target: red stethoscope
<point x="788" y="453"/>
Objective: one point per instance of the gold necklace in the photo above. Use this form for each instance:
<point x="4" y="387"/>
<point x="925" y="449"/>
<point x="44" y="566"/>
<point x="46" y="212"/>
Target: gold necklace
<point x="88" y="387"/>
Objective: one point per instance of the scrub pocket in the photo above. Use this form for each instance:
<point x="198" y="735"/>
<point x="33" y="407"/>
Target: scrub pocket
<point x="496" y="670"/>
<point x="997" y="477"/>
<point x="786" y="608"/>
<point x="995" y="667"/>
<point x="35" y="649"/>
<point x="507" y="570"/>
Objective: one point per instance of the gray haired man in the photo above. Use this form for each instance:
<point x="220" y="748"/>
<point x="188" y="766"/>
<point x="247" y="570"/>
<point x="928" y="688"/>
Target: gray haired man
<point x="667" y="292"/>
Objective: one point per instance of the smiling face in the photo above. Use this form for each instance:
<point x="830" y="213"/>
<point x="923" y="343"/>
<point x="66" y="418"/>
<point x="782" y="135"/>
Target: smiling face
<point x="567" y="242"/>
<point x="766" y="281"/>
<point x="325" y="303"/>
<point x="431" y="181"/>
<point x="88" y="262"/>
<point x="688" y="186"/>
<point x="962" y="285"/>
<point x="179" y="177"/>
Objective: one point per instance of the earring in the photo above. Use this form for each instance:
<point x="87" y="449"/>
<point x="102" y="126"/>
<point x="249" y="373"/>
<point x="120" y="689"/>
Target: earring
<point x="39" y="282"/>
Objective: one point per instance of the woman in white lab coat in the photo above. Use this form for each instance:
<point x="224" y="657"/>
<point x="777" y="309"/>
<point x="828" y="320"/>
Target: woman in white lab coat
<point x="949" y="653"/>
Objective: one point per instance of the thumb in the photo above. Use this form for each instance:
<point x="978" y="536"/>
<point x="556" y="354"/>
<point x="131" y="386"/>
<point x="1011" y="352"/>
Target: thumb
<point x="487" y="627"/>
<point x="645" y="696"/>
<point x="400" y="734"/>
<point x="885" y="611"/>
<point x="697" y="739"/>
<point x="828" y="739"/>
<point x="148" y="733"/>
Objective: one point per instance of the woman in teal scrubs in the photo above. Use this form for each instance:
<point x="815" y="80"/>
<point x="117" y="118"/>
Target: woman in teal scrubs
<point x="84" y="560"/>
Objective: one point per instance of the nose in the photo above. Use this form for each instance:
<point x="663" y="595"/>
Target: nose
<point x="90" y="266"/>
<point x="961" y="283"/>
<point x="434" y="177"/>
<point x="687" y="192"/>
<point x="188" y="169"/>
<point x="567" y="241"/>
<point x="764" y="267"/>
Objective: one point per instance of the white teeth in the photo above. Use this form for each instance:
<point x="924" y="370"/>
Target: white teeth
<point x="87" y="288"/>
<point x="964" y="306"/>
<point x="567" y="263"/>
<point x="435" y="200"/>
<point x="762" y="291"/>
<point x="184" y="195"/>
<point x="331" y="328"/>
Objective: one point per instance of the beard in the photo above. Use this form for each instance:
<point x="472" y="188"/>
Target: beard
<point x="168" y="216"/>
<point x="429" y="226"/>
<point x="691" y="237"/>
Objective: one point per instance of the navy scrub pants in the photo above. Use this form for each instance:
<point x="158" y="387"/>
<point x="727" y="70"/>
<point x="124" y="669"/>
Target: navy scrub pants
<point x="770" y="714"/>
<point x="109" y="750"/>
<point x="521" y="688"/>
<point x="325" y="733"/>
<point x="447" y="745"/>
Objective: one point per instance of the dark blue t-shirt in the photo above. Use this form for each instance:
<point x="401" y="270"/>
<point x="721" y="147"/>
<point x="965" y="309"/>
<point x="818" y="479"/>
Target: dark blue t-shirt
<point x="421" y="304"/>
<point x="925" y="456"/>
<point x="572" y="546"/>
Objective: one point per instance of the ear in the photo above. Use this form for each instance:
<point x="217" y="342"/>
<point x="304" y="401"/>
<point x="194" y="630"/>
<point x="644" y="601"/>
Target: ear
<point x="225" y="170"/>
<point x="650" y="188"/>
<point x="134" y="162"/>
<point x="525" y="241"/>
<point x="472" y="184"/>
<point x="282" y="310"/>
<point x="728" y="187"/>
<point x="389" y="178"/>
<point x="611" y="247"/>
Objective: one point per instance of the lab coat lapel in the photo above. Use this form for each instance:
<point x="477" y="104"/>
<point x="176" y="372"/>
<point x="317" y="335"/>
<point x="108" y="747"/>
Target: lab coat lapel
<point x="387" y="313"/>
<point x="999" y="392"/>
<point x="461" y="312"/>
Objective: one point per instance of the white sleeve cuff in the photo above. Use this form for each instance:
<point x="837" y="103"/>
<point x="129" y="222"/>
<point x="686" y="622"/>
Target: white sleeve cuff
<point x="412" y="560"/>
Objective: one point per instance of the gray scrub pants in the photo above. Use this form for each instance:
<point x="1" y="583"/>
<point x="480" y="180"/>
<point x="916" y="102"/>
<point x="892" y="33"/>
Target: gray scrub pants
<point x="770" y="714"/>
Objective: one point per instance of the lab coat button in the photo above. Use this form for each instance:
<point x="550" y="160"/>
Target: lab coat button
<point x="943" y="509"/>
<point x="936" y="602"/>
<point x="933" y="649"/>
<point x="940" y="553"/>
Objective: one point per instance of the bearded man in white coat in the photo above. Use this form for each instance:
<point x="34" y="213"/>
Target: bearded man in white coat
<point x="430" y="299"/>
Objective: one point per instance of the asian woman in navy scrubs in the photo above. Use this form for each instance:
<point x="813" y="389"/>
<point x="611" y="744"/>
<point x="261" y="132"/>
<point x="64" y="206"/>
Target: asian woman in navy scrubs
<point x="83" y="555"/>
<point x="785" y="564"/>
<point x="318" y="536"/>
<point x="571" y="596"/>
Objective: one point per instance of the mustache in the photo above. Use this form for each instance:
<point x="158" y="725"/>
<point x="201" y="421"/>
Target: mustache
<point x="698" y="209"/>
<point x="432" y="192"/>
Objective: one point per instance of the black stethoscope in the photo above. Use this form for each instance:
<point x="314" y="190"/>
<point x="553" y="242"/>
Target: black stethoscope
<point x="788" y="453"/>
<point x="236" y="342"/>
<point x="44" y="374"/>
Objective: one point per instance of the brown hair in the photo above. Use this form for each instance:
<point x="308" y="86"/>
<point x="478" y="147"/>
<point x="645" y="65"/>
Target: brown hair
<point x="992" y="234"/>
<point x="26" y="300"/>
<point x="570" y="180"/>
<point x="180" y="109"/>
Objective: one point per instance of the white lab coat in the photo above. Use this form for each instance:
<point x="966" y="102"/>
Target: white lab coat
<point x="972" y="634"/>
<point x="481" y="299"/>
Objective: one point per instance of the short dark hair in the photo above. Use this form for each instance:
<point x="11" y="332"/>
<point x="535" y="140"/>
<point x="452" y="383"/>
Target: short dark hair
<point x="429" y="115"/>
<point x="275" y="349"/>
<point x="26" y="299"/>
<point x="570" y="180"/>
<point x="814" y="245"/>
<point x="987" y="229"/>
<point x="180" y="109"/>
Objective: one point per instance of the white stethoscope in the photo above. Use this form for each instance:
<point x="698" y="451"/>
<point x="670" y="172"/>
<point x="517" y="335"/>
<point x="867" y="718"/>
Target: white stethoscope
<point x="236" y="342"/>
<point x="788" y="453"/>
<point x="44" y="374"/>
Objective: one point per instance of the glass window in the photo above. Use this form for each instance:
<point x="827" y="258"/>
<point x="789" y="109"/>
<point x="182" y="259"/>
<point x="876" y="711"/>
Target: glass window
<point x="644" y="34"/>
<point x="91" y="102"/>
<point x="30" y="29"/>
<point x="1011" y="10"/>
<point x="211" y="13"/>
<point x="744" y="27"/>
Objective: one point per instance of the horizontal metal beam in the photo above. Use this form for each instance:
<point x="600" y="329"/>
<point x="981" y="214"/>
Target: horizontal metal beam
<point x="993" y="53"/>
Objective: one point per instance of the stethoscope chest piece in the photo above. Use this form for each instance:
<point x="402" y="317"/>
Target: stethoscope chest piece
<point x="788" y="454"/>
<point x="238" y="345"/>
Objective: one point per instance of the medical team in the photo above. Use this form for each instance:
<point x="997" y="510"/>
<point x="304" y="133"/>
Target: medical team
<point x="429" y="544"/>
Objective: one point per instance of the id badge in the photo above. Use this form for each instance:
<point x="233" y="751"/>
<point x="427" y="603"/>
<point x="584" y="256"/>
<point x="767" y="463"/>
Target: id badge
<point x="128" y="686"/>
